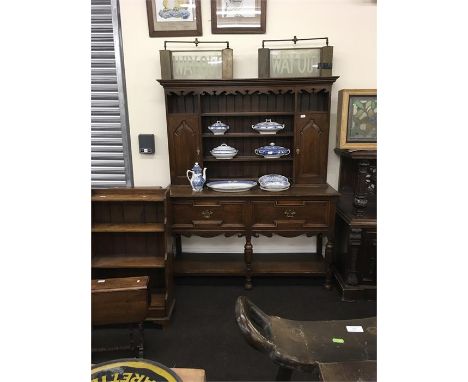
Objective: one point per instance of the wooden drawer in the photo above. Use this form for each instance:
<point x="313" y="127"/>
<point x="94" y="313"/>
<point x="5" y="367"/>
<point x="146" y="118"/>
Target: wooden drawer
<point x="208" y="214"/>
<point x="290" y="214"/>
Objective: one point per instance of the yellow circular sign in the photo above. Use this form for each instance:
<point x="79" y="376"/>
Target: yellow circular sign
<point x="132" y="370"/>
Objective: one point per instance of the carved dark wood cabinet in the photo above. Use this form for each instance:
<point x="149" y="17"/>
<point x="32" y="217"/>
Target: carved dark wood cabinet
<point x="308" y="207"/>
<point x="356" y="225"/>
<point x="131" y="237"/>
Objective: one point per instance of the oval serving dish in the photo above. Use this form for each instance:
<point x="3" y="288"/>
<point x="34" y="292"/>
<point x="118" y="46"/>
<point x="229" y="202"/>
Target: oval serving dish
<point x="218" y="128"/>
<point x="272" y="151"/>
<point x="268" y="127"/>
<point x="274" y="182"/>
<point x="231" y="185"/>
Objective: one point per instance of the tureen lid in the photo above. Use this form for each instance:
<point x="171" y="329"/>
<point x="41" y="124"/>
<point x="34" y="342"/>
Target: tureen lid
<point x="219" y="124"/>
<point x="268" y="123"/>
<point x="223" y="148"/>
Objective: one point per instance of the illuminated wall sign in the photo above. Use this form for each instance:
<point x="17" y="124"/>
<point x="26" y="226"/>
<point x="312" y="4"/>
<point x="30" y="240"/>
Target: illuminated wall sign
<point x="198" y="64"/>
<point x="295" y="62"/>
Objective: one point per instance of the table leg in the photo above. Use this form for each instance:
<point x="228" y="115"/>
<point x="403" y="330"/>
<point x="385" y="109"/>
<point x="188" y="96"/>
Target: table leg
<point x="178" y="244"/>
<point x="248" y="252"/>
<point x="329" y="249"/>
<point x="142" y="340"/>
<point x="132" y="340"/>
<point x="319" y="244"/>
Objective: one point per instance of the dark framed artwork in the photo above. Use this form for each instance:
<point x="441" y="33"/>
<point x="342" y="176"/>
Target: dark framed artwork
<point x="174" y="18"/>
<point x="238" y="16"/>
<point x="357" y="119"/>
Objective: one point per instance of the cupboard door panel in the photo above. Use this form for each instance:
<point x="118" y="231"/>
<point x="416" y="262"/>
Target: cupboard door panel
<point x="311" y="148"/>
<point x="184" y="145"/>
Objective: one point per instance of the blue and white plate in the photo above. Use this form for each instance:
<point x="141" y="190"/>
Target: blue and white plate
<point x="231" y="185"/>
<point x="274" y="181"/>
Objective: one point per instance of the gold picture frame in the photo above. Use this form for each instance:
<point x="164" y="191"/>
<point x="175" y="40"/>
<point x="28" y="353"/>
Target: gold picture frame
<point x="356" y="127"/>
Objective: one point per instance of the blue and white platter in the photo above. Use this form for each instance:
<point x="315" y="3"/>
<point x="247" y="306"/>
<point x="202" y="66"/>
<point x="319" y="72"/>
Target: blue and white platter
<point x="231" y="185"/>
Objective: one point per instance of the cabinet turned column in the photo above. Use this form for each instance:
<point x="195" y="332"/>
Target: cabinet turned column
<point x="354" y="243"/>
<point x="319" y="244"/>
<point x="329" y="260"/>
<point x="248" y="251"/>
<point x="361" y="188"/>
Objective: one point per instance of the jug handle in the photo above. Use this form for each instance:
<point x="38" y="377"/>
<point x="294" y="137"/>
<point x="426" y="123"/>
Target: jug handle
<point x="189" y="179"/>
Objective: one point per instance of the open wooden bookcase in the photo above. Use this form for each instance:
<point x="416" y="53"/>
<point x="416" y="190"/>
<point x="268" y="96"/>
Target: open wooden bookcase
<point x="131" y="237"/>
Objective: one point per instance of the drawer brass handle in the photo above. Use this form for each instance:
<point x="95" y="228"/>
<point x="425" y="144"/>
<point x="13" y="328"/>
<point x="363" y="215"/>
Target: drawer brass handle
<point x="207" y="214"/>
<point x="289" y="213"/>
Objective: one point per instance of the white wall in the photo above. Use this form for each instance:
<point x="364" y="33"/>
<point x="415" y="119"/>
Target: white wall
<point x="351" y="28"/>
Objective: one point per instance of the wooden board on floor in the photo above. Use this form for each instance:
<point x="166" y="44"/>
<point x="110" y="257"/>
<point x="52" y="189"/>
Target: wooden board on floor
<point x="191" y="375"/>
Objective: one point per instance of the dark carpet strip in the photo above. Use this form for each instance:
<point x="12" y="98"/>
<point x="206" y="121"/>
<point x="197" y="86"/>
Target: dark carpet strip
<point x="203" y="332"/>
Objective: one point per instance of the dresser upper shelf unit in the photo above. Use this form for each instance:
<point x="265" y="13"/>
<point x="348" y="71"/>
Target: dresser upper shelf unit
<point x="302" y="105"/>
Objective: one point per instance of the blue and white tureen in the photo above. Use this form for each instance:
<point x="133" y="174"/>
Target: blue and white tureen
<point x="268" y="127"/>
<point x="224" y="151"/>
<point x="218" y="128"/>
<point x="272" y="151"/>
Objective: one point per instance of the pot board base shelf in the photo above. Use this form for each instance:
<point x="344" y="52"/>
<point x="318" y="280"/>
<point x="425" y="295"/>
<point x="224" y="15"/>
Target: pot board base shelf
<point x="232" y="264"/>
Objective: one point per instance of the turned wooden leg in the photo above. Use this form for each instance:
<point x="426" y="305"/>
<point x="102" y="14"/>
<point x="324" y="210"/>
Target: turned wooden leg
<point x="248" y="251"/>
<point x="142" y="340"/>
<point x="132" y="340"/>
<point x="283" y="374"/>
<point x="354" y="245"/>
<point x="178" y="245"/>
<point x="319" y="244"/>
<point x="329" y="261"/>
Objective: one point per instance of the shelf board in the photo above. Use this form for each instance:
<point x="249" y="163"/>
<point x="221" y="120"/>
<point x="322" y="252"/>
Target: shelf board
<point x="148" y="227"/>
<point x="217" y="264"/>
<point x="246" y="158"/>
<point x="247" y="113"/>
<point x="127" y="261"/>
<point x="248" y="135"/>
<point x="138" y="194"/>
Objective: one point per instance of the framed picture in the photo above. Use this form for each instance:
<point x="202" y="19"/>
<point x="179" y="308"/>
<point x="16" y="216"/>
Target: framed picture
<point x="357" y="119"/>
<point x="238" y="16"/>
<point x="174" y="18"/>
